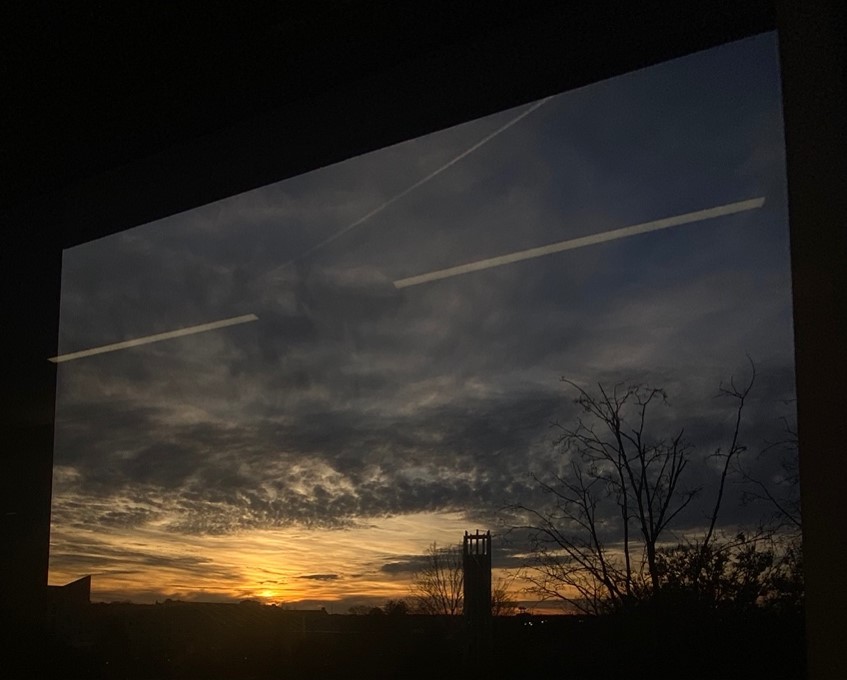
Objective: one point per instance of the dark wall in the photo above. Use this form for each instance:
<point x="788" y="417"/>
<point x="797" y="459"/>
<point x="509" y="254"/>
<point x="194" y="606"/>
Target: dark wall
<point x="813" y="51"/>
<point x="125" y="116"/>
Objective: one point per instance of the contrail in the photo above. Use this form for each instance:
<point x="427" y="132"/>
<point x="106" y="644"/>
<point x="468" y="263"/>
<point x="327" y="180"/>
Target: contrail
<point x="252" y="317"/>
<point x="416" y="185"/>
<point x="146" y="340"/>
<point x="582" y="241"/>
<point x="509" y="258"/>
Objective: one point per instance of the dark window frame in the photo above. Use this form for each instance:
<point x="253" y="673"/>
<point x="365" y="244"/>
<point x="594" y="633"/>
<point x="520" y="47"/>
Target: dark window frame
<point x="449" y="83"/>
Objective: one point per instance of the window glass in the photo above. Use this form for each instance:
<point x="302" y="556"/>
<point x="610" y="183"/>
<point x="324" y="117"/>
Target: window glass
<point x="288" y="396"/>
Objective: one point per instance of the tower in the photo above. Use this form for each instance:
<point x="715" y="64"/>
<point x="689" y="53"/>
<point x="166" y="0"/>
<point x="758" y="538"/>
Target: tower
<point x="476" y="565"/>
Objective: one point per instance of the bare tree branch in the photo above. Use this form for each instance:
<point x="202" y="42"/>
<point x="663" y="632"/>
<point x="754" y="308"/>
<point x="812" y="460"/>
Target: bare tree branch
<point x="437" y="588"/>
<point x="601" y="542"/>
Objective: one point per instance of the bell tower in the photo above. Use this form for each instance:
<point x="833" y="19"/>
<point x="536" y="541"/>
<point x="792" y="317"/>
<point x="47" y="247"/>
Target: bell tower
<point x="476" y="565"/>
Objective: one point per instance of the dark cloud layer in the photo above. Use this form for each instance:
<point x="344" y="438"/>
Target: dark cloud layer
<point x="350" y="400"/>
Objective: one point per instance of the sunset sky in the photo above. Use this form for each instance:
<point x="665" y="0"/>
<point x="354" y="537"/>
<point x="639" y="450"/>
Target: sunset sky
<point x="312" y="455"/>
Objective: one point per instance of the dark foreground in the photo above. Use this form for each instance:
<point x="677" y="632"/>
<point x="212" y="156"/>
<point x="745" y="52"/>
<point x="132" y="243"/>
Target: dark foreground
<point x="180" y="640"/>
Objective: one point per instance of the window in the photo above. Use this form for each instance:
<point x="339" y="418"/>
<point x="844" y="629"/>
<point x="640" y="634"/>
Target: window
<point x="323" y="376"/>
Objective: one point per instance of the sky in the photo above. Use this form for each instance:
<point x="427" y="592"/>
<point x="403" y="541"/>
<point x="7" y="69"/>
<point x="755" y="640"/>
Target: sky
<point x="311" y="455"/>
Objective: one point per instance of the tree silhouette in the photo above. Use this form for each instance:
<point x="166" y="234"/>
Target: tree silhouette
<point x="782" y="496"/>
<point x="784" y="500"/>
<point x="437" y="587"/>
<point x="601" y="543"/>
<point x="502" y="602"/>
<point x="359" y="609"/>
<point x="733" y="574"/>
<point x="396" y="607"/>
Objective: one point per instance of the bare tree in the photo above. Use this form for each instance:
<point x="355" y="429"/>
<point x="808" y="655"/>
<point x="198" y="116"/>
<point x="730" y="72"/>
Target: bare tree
<point x="437" y="587"/>
<point x="502" y="602"/>
<point x="596" y="545"/>
<point x="784" y="496"/>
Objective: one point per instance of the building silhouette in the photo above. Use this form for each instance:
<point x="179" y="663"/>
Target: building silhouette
<point x="68" y="613"/>
<point x="476" y="568"/>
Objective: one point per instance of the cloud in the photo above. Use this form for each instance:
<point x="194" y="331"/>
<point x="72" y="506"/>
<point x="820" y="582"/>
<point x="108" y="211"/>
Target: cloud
<point x="350" y="402"/>
<point x="468" y="447"/>
<point x="86" y="554"/>
<point x="320" y="577"/>
<point x="411" y="564"/>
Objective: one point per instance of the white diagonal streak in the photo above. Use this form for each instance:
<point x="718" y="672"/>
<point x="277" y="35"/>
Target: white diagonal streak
<point x="158" y="337"/>
<point x="582" y="241"/>
<point x="419" y="183"/>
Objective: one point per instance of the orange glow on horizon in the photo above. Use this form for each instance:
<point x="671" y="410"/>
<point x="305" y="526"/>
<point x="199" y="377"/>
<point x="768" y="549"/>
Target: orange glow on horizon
<point x="274" y="566"/>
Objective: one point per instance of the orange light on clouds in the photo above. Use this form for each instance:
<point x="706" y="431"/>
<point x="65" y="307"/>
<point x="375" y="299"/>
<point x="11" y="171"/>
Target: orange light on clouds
<point x="285" y="565"/>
